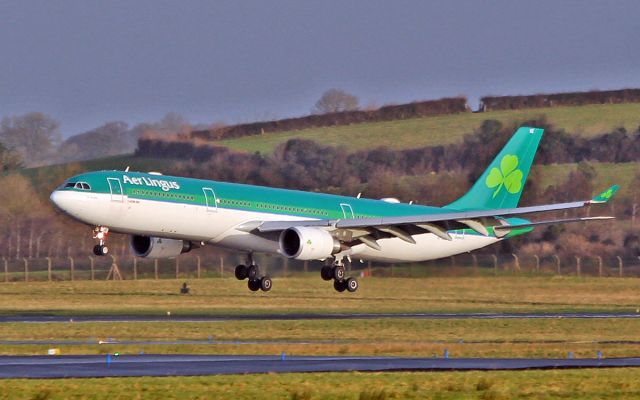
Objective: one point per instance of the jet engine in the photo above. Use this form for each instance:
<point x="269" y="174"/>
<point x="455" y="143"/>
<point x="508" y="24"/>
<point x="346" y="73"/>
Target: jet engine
<point x="305" y="243"/>
<point x="156" y="247"/>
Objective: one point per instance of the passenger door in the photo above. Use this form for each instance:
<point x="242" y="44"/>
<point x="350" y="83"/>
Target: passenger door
<point x="347" y="211"/>
<point x="115" y="187"/>
<point x="210" y="199"/>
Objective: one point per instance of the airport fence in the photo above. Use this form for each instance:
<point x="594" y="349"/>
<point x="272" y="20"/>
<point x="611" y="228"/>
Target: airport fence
<point x="211" y="265"/>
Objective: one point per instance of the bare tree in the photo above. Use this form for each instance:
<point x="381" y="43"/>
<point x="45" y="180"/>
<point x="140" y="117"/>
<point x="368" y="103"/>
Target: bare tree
<point x="34" y="135"/>
<point x="9" y="159"/>
<point x="18" y="202"/>
<point x="109" y="139"/>
<point x="335" y="100"/>
<point x="173" y="123"/>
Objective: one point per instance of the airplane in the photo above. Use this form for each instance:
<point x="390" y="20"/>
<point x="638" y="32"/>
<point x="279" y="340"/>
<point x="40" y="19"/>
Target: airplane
<point x="166" y="216"/>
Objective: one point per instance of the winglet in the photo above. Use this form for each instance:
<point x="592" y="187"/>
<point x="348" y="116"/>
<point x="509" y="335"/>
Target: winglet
<point x="606" y="195"/>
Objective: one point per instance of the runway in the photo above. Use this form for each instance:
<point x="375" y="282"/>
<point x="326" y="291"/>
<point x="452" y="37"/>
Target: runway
<point x="193" y="365"/>
<point x="43" y="318"/>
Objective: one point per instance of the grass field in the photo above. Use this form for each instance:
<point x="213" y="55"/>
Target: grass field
<point x="584" y="384"/>
<point x="409" y="337"/>
<point x="588" y="120"/>
<point x="312" y="295"/>
<point x="552" y="337"/>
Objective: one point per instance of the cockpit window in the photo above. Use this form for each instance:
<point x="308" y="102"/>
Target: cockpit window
<point x="77" y="185"/>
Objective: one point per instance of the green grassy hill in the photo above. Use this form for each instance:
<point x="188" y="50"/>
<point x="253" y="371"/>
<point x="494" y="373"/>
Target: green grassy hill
<point x="587" y="120"/>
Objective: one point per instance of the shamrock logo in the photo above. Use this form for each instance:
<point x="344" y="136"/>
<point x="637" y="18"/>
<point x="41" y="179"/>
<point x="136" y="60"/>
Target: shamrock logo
<point x="309" y="242"/>
<point x="508" y="176"/>
<point x="607" y="195"/>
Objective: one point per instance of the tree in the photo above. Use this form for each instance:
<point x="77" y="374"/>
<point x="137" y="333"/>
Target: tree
<point x="9" y="159"/>
<point x="335" y="100"/>
<point x="34" y="136"/>
<point x="18" y="202"/>
<point x="109" y="139"/>
<point x="172" y="123"/>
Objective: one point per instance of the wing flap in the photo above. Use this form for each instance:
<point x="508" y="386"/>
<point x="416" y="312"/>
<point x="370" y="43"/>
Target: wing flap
<point x="549" y="222"/>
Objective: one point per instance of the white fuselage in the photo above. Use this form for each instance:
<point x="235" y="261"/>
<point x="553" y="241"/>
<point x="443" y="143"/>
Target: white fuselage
<point x="218" y="226"/>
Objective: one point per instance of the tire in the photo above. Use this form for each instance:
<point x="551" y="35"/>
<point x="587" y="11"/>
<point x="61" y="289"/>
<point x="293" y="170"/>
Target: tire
<point x="338" y="273"/>
<point x="351" y="284"/>
<point x="241" y="272"/>
<point x="254" y="285"/>
<point x="326" y="273"/>
<point x="104" y="250"/>
<point x="265" y="283"/>
<point x="252" y="272"/>
<point x="96" y="250"/>
<point x="340" y="286"/>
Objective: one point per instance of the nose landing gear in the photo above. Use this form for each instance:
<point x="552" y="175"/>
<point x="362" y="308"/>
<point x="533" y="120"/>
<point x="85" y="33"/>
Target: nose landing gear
<point x="338" y="274"/>
<point x="100" y="233"/>
<point x="252" y="273"/>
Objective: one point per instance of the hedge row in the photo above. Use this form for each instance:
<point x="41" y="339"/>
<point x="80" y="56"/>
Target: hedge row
<point x="386" y="113"/>
<point x="490" y="103"/>
<point x="474" y="153"/>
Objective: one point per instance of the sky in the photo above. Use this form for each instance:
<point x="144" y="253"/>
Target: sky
<point x="87" y="62"/>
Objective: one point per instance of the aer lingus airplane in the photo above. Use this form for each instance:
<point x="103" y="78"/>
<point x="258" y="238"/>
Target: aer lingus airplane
<point x="167" y="216"/>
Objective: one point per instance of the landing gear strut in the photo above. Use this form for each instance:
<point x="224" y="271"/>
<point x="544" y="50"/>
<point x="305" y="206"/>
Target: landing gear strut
<point x="100" y="233"/>
<point x="337" y="273"/>
<point x="252" y="273"/>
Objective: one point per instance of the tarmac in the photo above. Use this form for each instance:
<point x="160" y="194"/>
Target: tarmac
<point x="44" y="318"/>
<point x="92" y="366"/>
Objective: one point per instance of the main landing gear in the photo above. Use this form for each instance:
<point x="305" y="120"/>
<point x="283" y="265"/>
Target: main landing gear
<point x="252" y="273"/>
<point x="338" y="273"/>
<point x="100" y="233"/>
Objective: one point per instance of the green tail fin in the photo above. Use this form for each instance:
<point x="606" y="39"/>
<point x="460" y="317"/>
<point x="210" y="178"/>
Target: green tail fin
<point x="606" y="195"/>
<point x="500" y="186"/>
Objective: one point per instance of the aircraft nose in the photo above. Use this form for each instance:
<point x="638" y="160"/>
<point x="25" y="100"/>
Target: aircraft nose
<point x="56" y="198"/>
<point x="63" y="200"/>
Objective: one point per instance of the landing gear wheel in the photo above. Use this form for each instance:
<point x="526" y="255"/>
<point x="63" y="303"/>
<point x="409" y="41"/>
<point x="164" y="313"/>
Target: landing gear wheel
<point x="241" y="272"/>
<point x="351" y="284"/>
<point x="265" y="283"/>
<point x="338" y="273"/>
<point x="100" y="233"/>
<point x="340" y="286"/>
<point x="326" y="273"/>
<point x="254" y="285"/>
<point x="100" y="250"/>
<point x="252" y="272"/>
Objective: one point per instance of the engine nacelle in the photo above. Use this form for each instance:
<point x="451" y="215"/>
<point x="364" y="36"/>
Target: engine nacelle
<point x="304" y="243"/>
<point x="156" y="247"/>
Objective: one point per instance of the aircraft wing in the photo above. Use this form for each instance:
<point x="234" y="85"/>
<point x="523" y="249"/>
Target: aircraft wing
<point x="429" y="221"/>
